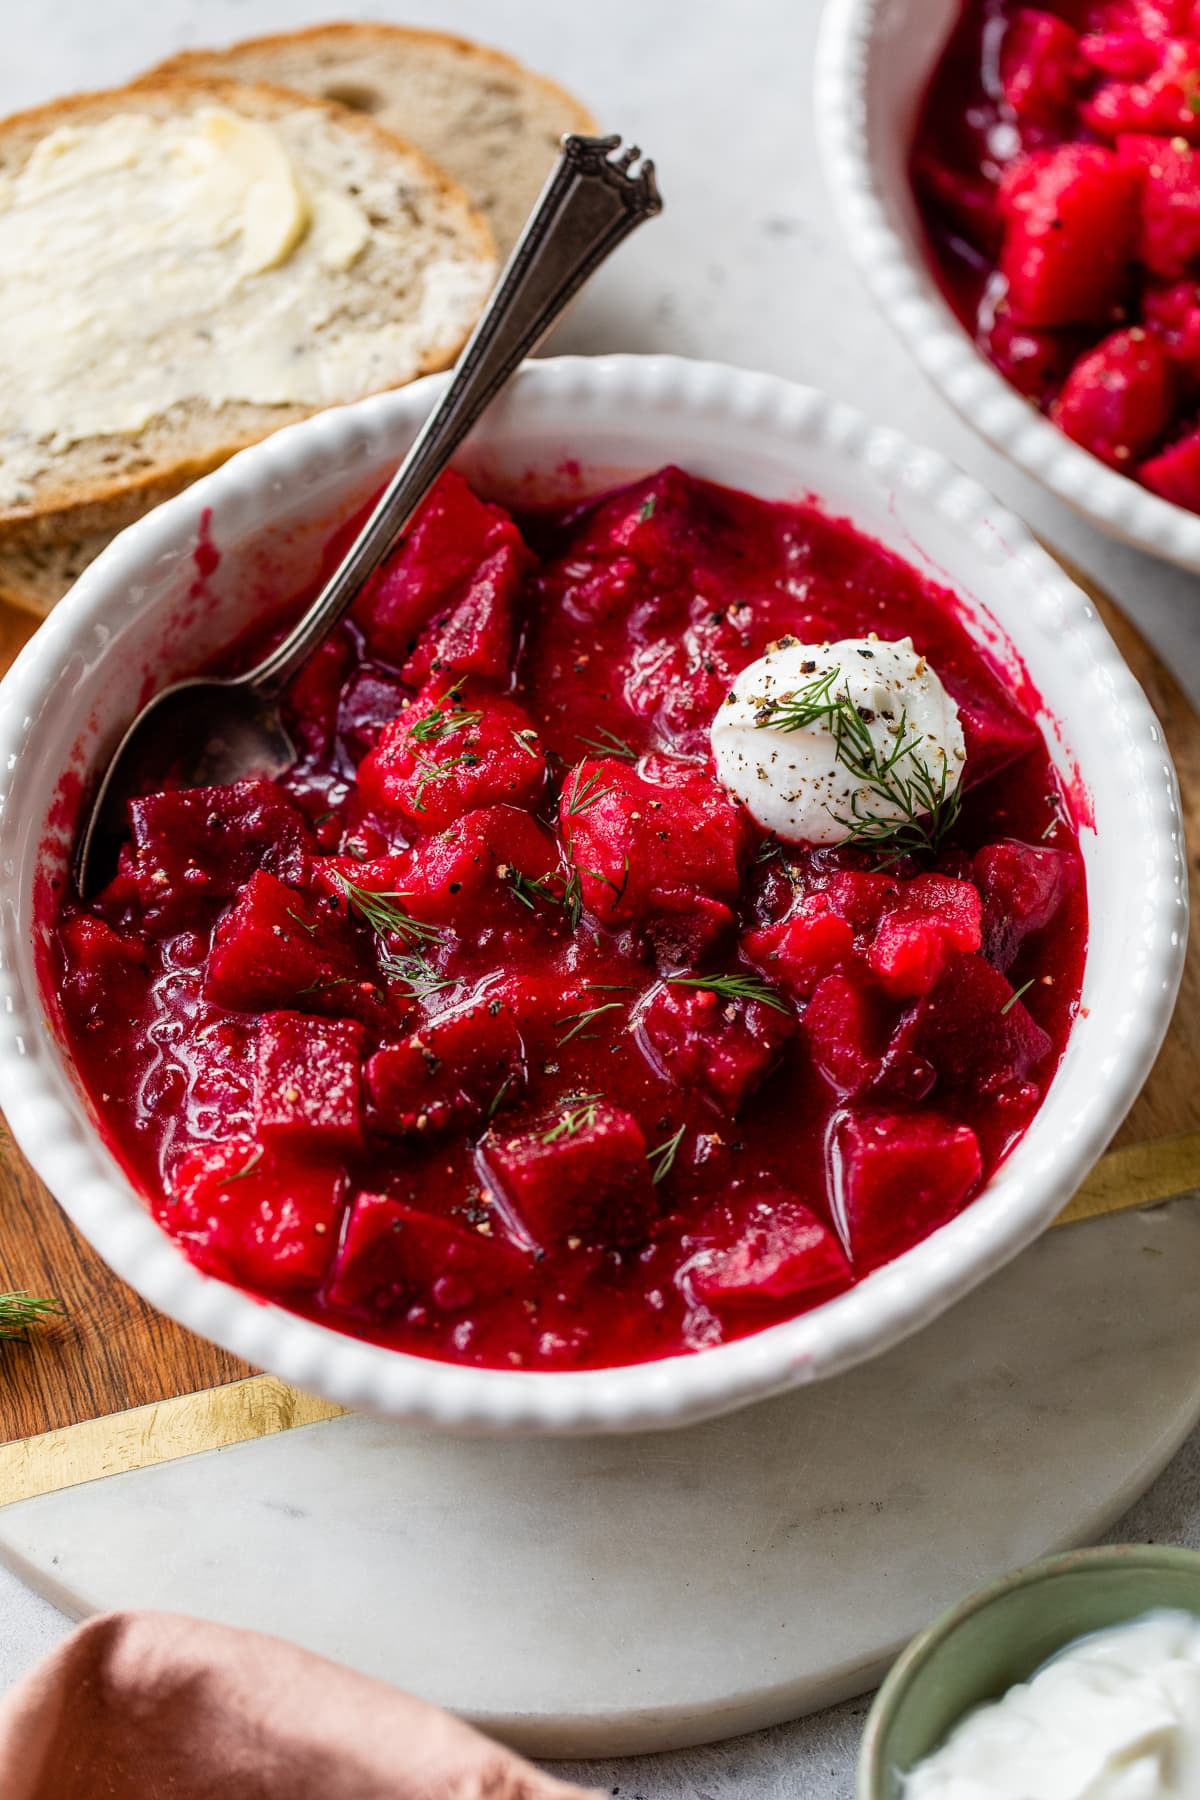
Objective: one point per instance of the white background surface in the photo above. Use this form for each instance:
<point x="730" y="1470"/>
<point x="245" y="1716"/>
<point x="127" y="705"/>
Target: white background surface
<point x="745" y="266"/>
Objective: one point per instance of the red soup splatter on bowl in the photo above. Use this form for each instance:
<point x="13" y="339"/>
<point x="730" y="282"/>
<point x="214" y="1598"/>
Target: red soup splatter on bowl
<point x="1057" y="168"/>
<point x="671" y="917"/>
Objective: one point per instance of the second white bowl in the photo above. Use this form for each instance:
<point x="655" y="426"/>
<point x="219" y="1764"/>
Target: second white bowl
<point x="874" y="60"/>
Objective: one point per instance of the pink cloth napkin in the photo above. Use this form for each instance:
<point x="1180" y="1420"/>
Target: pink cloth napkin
<point x="150" y="1706"/>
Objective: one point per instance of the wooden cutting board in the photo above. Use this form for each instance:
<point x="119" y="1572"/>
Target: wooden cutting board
<point x="69" y="1397"/>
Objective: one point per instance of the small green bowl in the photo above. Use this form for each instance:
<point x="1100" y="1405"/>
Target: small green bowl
<point x="998" y="1637"/>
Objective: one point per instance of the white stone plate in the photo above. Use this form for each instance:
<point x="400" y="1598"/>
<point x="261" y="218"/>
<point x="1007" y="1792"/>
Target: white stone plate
<point x="605" y="1596"/>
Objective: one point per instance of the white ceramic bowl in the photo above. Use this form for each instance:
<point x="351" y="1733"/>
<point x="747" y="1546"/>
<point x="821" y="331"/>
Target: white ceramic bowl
<point x="130" y="621"/>
<point x="874" y="58"/>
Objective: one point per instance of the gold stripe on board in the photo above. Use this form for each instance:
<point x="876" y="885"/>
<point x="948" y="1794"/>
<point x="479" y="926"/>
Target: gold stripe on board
<point x="161" y="1432"/>
<point x="1141" y="1175"/>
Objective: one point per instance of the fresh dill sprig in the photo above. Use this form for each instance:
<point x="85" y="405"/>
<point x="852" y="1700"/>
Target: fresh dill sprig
<point x="646" y="509"/>
<point x="663" y="1156"/>
<point x="607" y="743"/>
<point x="579" y="1114"/>
<point x="580" y="1021"/>
<point x="572" y="899"/>
<point x="584" y="793"/>
<point x="922" y="806"/>
<point x="521" y="739"/>
<point x="248" y="1167"/>
<point x="529" y="889"/>
<point x="1014" y="997"/>
<point x="439" y="771"/>
<point x="384" y="916"/>
<point x="416" y="972"/>
<point x="498" y="1096"/>
<point x="444" y="718"/>
<point x="21" y="1312"/>
<point x="732" y="987"/>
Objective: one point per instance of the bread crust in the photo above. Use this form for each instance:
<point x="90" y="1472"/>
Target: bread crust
<point x="81" y="508"/>
<point x="362" y="31"/>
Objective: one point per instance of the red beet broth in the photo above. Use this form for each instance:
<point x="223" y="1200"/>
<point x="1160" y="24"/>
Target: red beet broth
<point x="519" y="1131"/>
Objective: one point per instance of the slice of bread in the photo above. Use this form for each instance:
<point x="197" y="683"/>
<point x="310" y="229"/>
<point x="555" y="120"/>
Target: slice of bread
<point x="36" y="572"/>
<point x="416" y="264"/>
<point x="492" y="123"/>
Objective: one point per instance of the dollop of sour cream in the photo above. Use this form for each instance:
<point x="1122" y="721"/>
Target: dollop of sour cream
<point x="793" y="782"/>
<point x="1114" y="1716"/>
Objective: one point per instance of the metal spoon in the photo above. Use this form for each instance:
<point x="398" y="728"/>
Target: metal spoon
<point x="207" y="730"/>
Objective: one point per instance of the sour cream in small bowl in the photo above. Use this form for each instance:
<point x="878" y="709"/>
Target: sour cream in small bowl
<point x="1077" y="1678"/>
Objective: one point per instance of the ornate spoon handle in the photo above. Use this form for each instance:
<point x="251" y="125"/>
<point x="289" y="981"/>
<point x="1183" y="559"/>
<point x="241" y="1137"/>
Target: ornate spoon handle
<point x="591" y="202"/>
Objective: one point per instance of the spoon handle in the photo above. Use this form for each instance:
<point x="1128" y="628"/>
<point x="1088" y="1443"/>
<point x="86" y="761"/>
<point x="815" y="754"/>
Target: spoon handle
<point x="589" y="204"/>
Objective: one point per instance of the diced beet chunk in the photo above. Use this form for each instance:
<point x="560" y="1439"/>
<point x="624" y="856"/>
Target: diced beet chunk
<point x="579" y="1177"/>
<point x="201" y="844"/>
<point x="1172" y="311"/>
<point x="1071" y="228"/>
<point x="476" y="637"/>
<point x="448" y="755"/>
<point x="1024" y="887"/>
<point x="1169" y="242"/>
<point x="1158" y="102"/>
<point x="277" y="948"/>
<point x="1035" y="362"/>
<point x="444" y="601"/>
<point x="1040" y="66"/>
<point x="471" y="875"/>
<point x="931" y="916"/>
<point x="254" y="1213"/>
<point x="968" y="202"/>
<point x="721" y="1048"/>
<point x="99" y="965"/>
<point x="802" y="949"/>
<point x="776" y="1250"/>
<point x="661" y="522"/>
<point x="973" y="1028"/>
<point x="1118" y="399"/>
<point x="1175" y="472"/>
<point x="457" y="1069"/>
<point x="369" y="701"/>
<point x="846" y="1033"/>
<point x="898" y="1176"/>
<point x="642" y="837"/>
<point x="394" y="1257"/>
<point x="995" y="733"/>
<point x="307" y="1081"/>
<point x="311" y="705"/>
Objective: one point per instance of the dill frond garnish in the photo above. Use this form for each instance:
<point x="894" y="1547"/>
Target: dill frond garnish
<point x="663" y="1156"/>
<point x="580" y="1021"/>
<point x="579" y="1114"/>
<point x="584" y="793"/>
<point x="1014" y="997"/>
<point x="922" y="807"/>
<point x="385" y="917"/>
<point x="447" y="716"/>
<point x="607" y="743"/>
<point x="732" y="987"/>
<point x="21" y="1312"/>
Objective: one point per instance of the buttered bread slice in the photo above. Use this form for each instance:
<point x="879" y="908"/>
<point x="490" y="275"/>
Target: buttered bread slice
<point x="186" y="265"/>
<point x="494" y="124"/>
